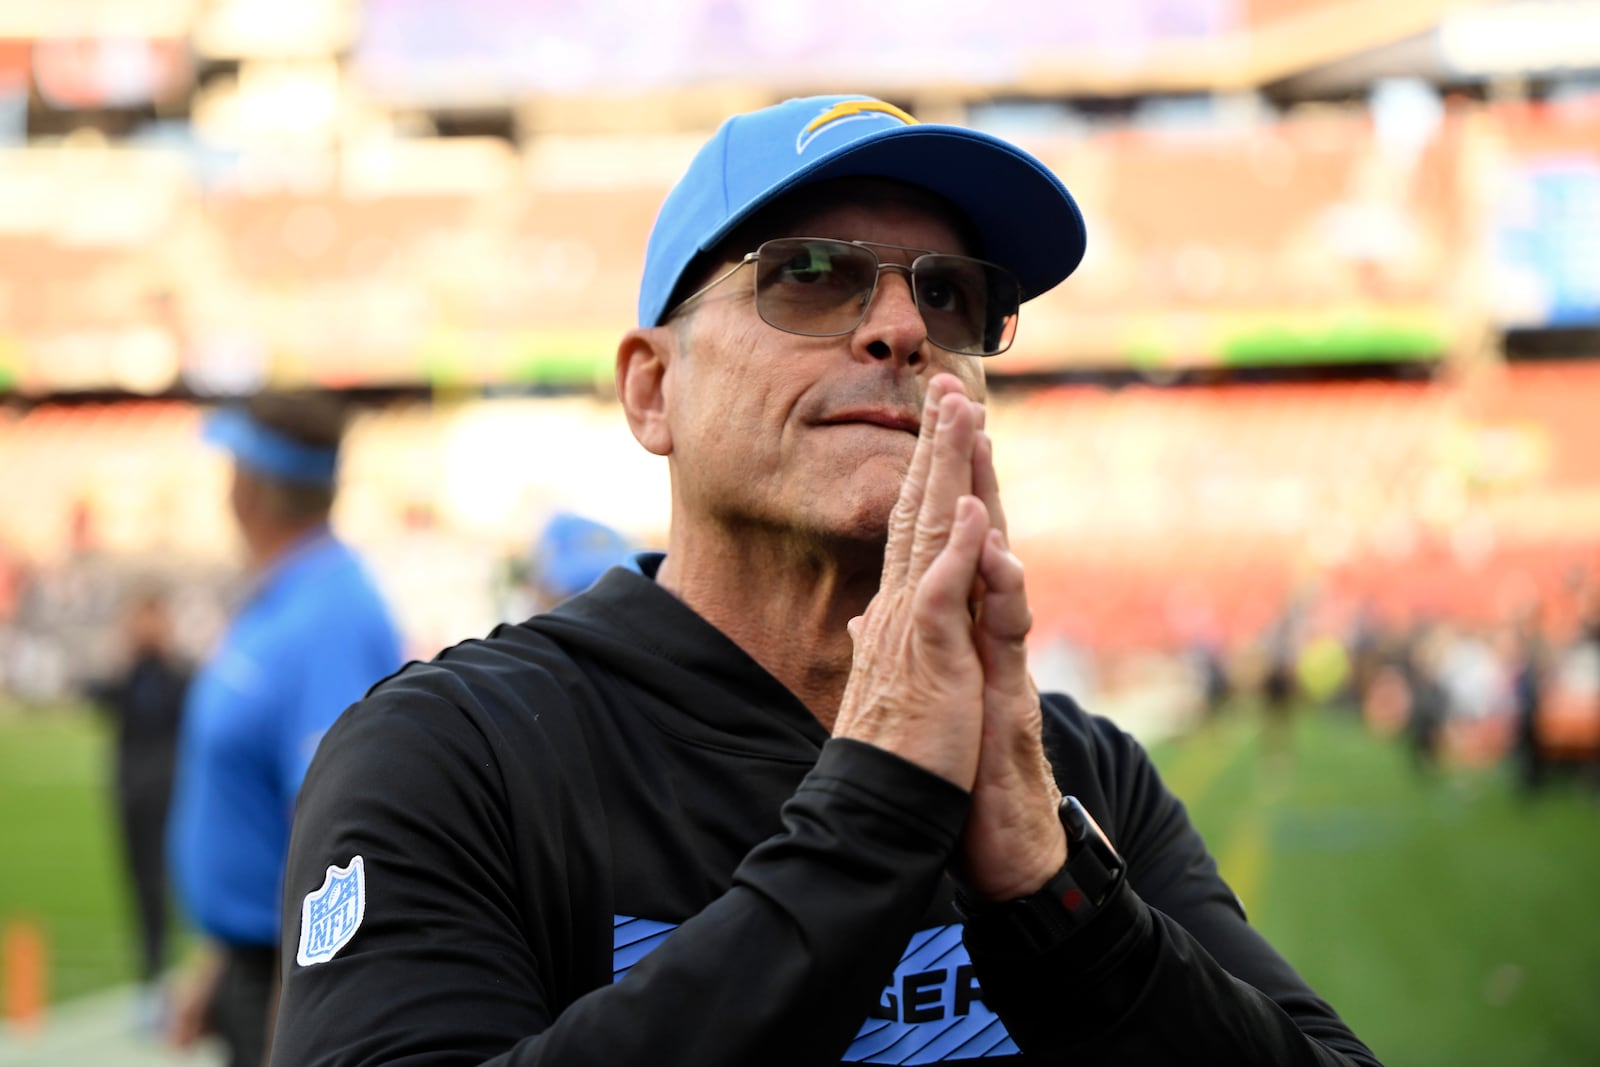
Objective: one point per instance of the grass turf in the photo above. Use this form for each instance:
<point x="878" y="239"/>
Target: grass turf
<point x="61" y="865"/>
<point x="1448" y="920"/>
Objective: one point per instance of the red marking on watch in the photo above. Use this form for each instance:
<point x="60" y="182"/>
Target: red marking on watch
<point x="1073" y="899"/>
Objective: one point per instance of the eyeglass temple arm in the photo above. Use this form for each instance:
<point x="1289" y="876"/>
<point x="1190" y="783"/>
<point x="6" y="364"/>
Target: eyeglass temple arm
<point x="749" y="257"/>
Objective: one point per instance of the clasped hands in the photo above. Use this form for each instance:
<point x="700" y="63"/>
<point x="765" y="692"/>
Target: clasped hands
<point x="939" y="674"/>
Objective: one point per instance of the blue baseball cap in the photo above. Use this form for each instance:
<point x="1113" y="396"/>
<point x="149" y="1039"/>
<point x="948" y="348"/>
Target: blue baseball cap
<point x="572" y="552"/>
<point x="266" y="451"/>
<point x="1027" y="220"/>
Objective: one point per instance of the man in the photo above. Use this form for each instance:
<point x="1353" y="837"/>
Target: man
<point x="786" y="794"/>
<point x="145" y="704"/>
<point x="311" y="636"/>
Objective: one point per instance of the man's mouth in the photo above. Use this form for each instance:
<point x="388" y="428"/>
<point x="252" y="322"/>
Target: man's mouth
<point x="888" y="418"/>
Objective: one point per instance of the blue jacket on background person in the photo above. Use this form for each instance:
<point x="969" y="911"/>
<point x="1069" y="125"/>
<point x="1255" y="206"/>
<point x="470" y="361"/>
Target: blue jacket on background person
<point x="311" y="636"/>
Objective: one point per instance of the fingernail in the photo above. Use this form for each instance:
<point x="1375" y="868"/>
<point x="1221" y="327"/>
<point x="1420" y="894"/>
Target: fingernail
<point x="947" y="413"/>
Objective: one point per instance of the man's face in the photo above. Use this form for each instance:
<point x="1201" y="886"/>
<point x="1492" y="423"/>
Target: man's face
<point x="147" y="626"/>
<point x="810" y="435"/>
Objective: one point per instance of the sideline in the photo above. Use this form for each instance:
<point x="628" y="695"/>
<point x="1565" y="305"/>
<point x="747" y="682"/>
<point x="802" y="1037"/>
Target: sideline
<point x="95" y="1031"/>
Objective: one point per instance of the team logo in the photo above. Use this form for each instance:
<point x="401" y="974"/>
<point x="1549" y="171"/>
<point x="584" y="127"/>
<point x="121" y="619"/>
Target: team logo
<point x="330" y="916"/>
<point x="932" y="1010"/>
<point x="849" y="111"/>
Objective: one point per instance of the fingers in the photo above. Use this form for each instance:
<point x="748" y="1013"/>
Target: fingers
<point x="949" y="479"/>
<point x="1005" y="619"/>
<point x="903" y="521"/>
<point x="941" y="619"/>
<point x="985" y="482"/>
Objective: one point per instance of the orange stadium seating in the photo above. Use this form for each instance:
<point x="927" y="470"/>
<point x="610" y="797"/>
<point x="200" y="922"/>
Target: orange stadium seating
<point x="1169" y="512"/>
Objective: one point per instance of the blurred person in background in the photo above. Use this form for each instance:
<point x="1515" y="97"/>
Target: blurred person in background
<point x="781" y="795"/>
<point x="1568" y="728"/>
<point x="1366" y="650"/>
<point x="311" y="635"/>
<point x="145" y="704"/>
<point x="571" y="554"/>
<point x="1280" y="689"/>
<point x="1475" y="676"/>
<point x="1427" y="701"/>
<point x="1529" y="664"/>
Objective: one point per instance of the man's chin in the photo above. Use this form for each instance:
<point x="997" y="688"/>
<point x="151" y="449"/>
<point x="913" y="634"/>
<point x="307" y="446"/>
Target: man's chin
<point x="864" y="525"/>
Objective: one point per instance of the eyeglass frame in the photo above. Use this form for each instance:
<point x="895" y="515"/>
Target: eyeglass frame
<point x="907" y="269"/>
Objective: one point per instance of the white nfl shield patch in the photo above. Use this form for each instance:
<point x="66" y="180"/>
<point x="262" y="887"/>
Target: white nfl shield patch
<point x="330" y="916"/>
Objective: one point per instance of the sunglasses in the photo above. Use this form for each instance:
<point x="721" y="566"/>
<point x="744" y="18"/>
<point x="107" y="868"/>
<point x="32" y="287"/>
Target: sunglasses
<point x="820" y="287"/>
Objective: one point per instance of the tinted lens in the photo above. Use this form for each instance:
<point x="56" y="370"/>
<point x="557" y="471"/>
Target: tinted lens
<point x="968" y="305"/>
<point x="813" y="286"/>
<point x="820" y="287"/>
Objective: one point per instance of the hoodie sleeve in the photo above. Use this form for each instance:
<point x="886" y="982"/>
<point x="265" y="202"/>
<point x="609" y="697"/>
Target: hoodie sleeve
<point x="1170" y="971"/>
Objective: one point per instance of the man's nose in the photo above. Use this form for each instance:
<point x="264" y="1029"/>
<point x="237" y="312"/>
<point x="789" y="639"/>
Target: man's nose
<point x="893" y="326"/>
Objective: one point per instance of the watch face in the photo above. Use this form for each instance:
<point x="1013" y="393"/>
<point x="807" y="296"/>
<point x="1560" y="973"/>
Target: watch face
<point x="1068" y="902"/>
<point x="1079" y="823"/>
<point x="1093" y="867"/>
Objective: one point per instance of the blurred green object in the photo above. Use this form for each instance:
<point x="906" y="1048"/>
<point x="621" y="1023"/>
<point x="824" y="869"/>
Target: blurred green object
<point x="1354" y="339"/>
<point x="1449" y="920"/>
<point x="1323" y="669"/>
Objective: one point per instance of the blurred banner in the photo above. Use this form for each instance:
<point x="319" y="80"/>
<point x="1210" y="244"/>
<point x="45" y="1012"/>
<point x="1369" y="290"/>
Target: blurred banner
<point x="420" y="51"/>
<point x="1546" y="219"/>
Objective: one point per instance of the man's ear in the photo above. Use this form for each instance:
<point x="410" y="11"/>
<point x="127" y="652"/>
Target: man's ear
<point x="642" y="361"/>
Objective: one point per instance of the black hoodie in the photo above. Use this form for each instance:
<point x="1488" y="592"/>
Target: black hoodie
<point x="608" y="836"/>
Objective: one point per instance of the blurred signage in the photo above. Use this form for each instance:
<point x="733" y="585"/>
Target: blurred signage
<point x="91" y="18"/>
<point x="275" y="29"/>
<point x="1526" y="37"/>
<point x="478" y="50"/>
<point x="1548" y="244"/>
<point x="111" y="72"/>
<point x="16" y="65"/>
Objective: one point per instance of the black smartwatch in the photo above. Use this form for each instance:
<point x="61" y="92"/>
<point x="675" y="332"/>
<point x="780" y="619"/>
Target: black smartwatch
<point x="1068" y="901"/>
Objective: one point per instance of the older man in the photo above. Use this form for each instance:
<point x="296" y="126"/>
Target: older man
<point x="786" y="793"/>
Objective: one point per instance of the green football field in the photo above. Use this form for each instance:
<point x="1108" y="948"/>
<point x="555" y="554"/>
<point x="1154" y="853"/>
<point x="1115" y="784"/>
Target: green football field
<point x="1448" y="920"/>
<point x="62" y="870"/>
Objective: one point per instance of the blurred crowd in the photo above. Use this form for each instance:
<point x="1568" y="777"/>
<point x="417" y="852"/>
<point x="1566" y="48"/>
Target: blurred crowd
<point x="1524" y="687"/>
<point x="1523" y="690"/>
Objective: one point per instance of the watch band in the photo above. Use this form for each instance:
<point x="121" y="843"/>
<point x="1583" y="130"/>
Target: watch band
<point x="1066" y="903"/>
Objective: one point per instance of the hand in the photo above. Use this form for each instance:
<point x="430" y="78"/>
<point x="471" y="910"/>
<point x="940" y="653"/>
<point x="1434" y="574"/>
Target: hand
<point x="192" y="995"/>
<point x="1013" y="842"/>
<point x="916" y="681"/>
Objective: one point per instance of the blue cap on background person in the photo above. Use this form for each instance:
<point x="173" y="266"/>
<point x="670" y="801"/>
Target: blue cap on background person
<point x="1027" y="220"/>
<point x="266" y="451"/>
<point x="572" y="552"/>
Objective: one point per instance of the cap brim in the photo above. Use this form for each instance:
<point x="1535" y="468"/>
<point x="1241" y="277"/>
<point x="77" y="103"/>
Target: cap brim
<point x="1028" y="221"/>
<point x="226" y="428"/>
<point x="260" y="449"/>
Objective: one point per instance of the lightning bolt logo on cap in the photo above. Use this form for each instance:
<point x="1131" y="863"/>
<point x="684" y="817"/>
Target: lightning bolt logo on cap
<point x="846" y="111"/>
